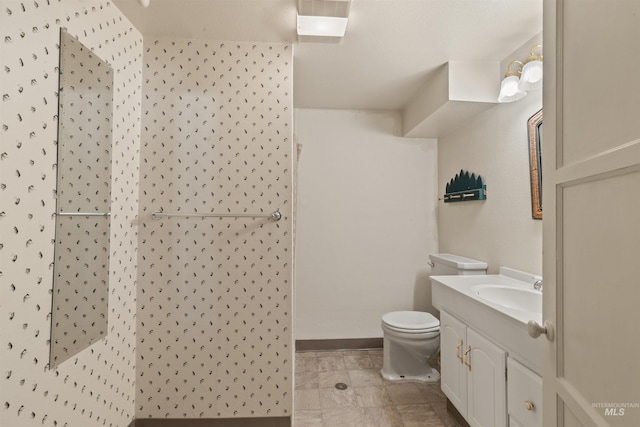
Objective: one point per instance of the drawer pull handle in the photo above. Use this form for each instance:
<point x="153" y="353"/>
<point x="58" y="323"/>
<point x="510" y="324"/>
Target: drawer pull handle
<point x="467" y="358"/>
<point x="458" y="353"/>
<point x="529" y="405"/>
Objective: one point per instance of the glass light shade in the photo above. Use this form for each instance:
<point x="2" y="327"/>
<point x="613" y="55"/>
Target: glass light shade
<point x="531" y="77"/>
<point x="323" y="26"/>
<point x="509" y="90"/>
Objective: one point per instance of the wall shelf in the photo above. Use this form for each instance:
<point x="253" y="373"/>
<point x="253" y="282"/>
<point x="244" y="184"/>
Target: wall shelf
<point x="464" y="187"/>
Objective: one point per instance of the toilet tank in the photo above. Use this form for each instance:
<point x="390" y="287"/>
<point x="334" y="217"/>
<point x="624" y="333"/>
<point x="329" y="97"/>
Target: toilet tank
<point x="449" y="264"/>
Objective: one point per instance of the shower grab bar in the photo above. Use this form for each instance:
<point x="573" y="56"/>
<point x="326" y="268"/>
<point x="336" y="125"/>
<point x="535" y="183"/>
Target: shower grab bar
<point x="82" y="213"/>
<point x="274" y="216"/>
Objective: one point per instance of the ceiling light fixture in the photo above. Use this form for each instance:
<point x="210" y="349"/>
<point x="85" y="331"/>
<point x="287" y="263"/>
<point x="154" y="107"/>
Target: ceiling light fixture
<point x="531" y="77"/>
<point x="509" y="90"/>
<point x="323" y="26"/>
<point x="527" y="76"/>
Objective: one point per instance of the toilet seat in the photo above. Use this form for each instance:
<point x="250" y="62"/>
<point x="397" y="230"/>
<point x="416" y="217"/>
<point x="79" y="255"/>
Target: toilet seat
<point x="413" y="322"/>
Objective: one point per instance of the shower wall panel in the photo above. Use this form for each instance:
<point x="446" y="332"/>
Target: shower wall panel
<point x="214" y="301"/>
<point x="97" y="386"/>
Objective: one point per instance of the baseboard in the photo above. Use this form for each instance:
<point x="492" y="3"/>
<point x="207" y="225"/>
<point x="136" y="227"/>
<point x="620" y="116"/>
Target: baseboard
<point x="338" y="344"/>
<point x="456" y="415"/>
<point x="213" y="422"/>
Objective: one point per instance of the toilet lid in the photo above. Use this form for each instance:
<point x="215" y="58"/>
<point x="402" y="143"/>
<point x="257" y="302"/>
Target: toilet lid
<point x="411" y="320"/>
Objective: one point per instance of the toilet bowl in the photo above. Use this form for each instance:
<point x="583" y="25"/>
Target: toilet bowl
<point x="410" y="338"/>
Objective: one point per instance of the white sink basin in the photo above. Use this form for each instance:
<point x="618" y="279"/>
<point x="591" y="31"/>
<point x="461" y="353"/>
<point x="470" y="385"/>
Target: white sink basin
<point x="510" y="292"/>
<point x="511" y="297"/>
<point x="498" y="306"/>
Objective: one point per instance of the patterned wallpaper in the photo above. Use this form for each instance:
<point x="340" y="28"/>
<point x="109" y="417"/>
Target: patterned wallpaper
<point x="96" y="387"/>
<point x="214" y="296"/>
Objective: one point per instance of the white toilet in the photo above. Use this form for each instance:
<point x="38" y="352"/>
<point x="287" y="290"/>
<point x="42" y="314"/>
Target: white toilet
<point x="410" y="338"/>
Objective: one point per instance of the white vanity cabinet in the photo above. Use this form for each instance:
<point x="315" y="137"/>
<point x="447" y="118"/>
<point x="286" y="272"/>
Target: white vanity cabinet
<point x="476" y="336"/>
<point x="473" y="373"/>
<point x="524" y="395"/>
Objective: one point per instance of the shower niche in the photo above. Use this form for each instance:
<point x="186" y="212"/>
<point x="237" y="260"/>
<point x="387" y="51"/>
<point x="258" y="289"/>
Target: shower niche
<point x="83" y="197"/>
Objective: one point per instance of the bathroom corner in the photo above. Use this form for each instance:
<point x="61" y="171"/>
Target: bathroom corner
<point x="500" y="230"/>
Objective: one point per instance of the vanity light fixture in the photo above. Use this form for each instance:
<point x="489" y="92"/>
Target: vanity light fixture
<point x="323" y="26"/>
<point x="509" y="89"/>
<point x="531" y="77"/>
<point x="527" y="76"/>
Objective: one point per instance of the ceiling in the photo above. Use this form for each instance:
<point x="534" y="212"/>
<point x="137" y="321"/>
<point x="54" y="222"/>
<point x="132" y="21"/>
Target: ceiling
<point x="390" y="50"/>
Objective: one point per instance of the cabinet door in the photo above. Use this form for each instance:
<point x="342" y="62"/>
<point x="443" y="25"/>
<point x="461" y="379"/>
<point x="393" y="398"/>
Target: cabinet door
<point x="453" y="379"/>
<point x="524" y="395"/>
<point x="487" y="383"/>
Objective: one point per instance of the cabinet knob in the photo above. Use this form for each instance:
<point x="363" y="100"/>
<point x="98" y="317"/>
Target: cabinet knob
<point x="529" y="405"/>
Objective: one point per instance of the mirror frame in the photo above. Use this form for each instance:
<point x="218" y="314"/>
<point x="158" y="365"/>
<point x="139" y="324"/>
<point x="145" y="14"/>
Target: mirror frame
<point x="534" y="130"/>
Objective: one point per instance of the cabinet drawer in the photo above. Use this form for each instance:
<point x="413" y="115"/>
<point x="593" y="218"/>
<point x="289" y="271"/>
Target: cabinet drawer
<point x="524" y="395"/>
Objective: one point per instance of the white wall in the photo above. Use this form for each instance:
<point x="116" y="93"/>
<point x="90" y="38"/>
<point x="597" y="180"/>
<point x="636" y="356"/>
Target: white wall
<point x="366" y="222"/>
<point x="499" y="230"/>
<point x="96" y="387"/>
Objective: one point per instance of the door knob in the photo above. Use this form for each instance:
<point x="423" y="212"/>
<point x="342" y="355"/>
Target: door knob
<point x="535" y="329"/>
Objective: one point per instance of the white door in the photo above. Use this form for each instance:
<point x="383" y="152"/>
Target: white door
<point x="591" y="210"/>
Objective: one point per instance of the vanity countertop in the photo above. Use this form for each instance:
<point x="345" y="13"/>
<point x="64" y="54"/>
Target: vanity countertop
<point x="469" y="286"/>
<point x="501" y="321"/>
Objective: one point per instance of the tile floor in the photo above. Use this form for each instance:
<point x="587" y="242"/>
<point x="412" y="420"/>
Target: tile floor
<point x="368" y="401"/>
